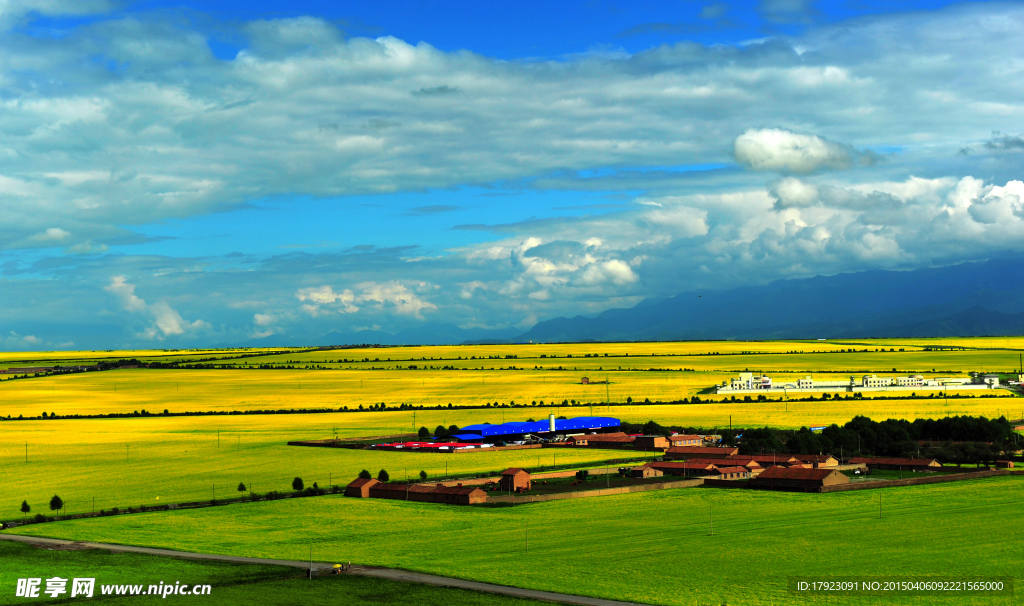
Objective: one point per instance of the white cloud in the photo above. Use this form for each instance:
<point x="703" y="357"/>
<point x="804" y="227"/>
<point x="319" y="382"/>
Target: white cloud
<point x="393" y="296"/>
<point x="396" y="296"/>
<point x="53" y="235"/>
<point x="782" y="150"/>
<point x="320" y="296"/>
<point x="166" y="321"/>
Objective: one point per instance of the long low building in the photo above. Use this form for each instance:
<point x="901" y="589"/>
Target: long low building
<point x="512" y="431"/>
<point x="897" y="463"/>
<point x="749" y="383"/>
<point x="706" y="452"/>
<point x="424" y="493"/>
<point x="801" y="479"/>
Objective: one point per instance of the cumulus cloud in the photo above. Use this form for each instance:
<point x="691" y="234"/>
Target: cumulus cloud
<point x="303" y="110"/>
<point x="781" y="150"/>
<point x="393" y="296"/>
<point x="166" y="321"/>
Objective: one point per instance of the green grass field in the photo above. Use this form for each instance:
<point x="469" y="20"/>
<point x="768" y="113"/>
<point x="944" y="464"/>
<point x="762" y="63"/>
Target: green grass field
<point x="652" y="547"/>
<point x="231" y="584"/>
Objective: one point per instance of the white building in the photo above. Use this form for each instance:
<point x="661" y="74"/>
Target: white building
<point x="875" y="381"/>
<point x="911" y="381"/>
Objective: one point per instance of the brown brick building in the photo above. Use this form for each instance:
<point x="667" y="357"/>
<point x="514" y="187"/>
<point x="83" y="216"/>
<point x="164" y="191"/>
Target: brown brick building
<point x="702" y="452"/>
<point x="360" y="488"/>
<point x="801" y="479"/>
<point x="514" y="479"/>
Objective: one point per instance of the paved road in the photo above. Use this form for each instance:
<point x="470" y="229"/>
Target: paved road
<point x="367" y="571"/>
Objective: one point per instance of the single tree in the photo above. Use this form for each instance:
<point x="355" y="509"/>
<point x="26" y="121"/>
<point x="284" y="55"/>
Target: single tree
<point x="56" y="503"/>
<point x="241" y="487"/>
<point x="424" y="433"/>
<point x="297" y="484"/>
<point x="440" y="432"/>
<point x="365" y="475"/>
<point x="453" y="429"/>
<point x="383" y="476"/>
<point x="315" y="487"/>
<point x="25" y="508"/>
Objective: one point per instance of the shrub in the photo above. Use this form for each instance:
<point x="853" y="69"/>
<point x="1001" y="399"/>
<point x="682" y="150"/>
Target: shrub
<point x="383" y="476"/>
<point x="423" y="475"/>
<point x="39" y="518"/>
<point x="297" y="484"/>
<point x="365" y="475"/>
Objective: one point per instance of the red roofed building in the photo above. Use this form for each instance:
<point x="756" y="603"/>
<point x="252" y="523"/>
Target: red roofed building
<point x="602" y="439"/>
<point x="818" y="460"/>
<point x="732" y="473"/>
<point x="703" y="452"/>
<point x="684" y="469"/>
<point x="360" y="487"/>
<point x="514" y="479"/>
<point x="794" y="478"/>
<point x="897" y="463"/>
<point x="457" y="495"/>
<point x="685" y="440"/>
<point x="767" y="460"/>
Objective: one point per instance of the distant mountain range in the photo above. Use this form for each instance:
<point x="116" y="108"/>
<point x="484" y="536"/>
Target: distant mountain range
<point x="984" y="298"/>
<point x="971" y="299"/>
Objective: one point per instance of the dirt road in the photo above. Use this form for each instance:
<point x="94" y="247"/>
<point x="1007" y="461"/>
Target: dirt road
<point x="368" y="571"/>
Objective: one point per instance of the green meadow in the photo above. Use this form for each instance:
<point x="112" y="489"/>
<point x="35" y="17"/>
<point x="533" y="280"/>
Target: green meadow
<point x="653" y="547"/>
<point x="231" y="584"/>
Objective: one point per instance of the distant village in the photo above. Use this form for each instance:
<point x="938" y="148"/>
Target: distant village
<point x="749" y="382"/>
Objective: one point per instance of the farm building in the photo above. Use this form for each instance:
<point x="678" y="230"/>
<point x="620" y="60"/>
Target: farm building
<point x="777" y="459"/>
<point x="457" y="495"/>
<point x="818" y="460"/>
<point x="514" y="479"/>
<point x="507" y="432"/>
<point x="360" y="487"/>
<point x="645" y="471"/>
<point x="685" y="440"/>
<point x="585" y="381"/>
<point x="897" y="463"/>
<point x="400" y="492"/>
<point x="453" y="495"/>
<point x="602" y="439"/>
<point x="737" y="461"/>
<point x="1004" y="464"/>
<point x="732" y="473"/>
<point x="703" y="452"/>
<point x="651" y="442"/>
<point x="793" y="478"/>
<point x="684" y="469"/>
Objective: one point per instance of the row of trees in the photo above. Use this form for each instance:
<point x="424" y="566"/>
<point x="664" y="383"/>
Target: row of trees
<point x="383" y="476"/>
<point x="961" y="439"/>
<point x="440" y="432"/>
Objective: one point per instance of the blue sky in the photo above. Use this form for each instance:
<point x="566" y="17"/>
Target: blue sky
<point x="183" y="174"/>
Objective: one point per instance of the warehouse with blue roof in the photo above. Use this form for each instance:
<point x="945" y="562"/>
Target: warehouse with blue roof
<point x="511" y="431"/>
